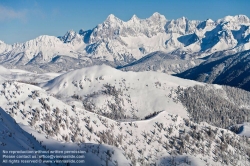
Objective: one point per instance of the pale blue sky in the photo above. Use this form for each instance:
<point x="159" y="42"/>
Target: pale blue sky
<point x="22" y="20"/>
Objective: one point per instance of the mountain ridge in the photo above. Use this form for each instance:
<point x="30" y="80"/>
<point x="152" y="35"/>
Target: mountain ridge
<point x="232" y="70"/>
<point x="122" y="42"/>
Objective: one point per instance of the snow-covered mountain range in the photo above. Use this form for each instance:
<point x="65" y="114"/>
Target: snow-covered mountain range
<point x="117" y="43"/>
<point x="108" y="91"/>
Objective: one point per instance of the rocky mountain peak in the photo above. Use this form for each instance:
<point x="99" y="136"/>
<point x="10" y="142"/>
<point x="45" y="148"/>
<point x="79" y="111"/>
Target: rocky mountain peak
<point x="69" y="36"/>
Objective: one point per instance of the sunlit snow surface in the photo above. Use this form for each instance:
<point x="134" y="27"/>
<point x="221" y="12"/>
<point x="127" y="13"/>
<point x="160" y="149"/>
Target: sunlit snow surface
<point x="148" y="92"/>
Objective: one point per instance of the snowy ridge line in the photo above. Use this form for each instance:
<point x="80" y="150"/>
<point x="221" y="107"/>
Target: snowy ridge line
<point x="118" y="43"/>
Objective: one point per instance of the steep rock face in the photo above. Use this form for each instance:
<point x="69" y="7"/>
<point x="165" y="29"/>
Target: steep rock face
<point x="72" y="37"/>
<point x="206" y="24"/>
<point x="218" y="39"/>
<point x="181" y="26"/>
<point x="113" y="27"/>
<point x="188" y="39"/>
<point x="120" y="41"/>
<point x="242" y="35"/>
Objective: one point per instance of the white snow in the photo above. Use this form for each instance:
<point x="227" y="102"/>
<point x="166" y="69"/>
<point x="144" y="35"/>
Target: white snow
<point x="4" y="71"/>
<point x="61" y="122"/>
<point x="146" y="92"/>
<point x="117" y="40"/>
<point x="26" y="76"/>
<point x="244" y="129"/>
<point x="75" y="121"/>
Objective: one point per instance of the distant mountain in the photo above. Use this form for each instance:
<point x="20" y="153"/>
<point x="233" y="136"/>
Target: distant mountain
<point x="233" y="70"/>
<point x="162" y="62"/>
<point x="118" y="43"/>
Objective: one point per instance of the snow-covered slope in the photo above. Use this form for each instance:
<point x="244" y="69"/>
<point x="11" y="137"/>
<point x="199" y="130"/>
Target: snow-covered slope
<point x="162" y="62"/>
<point x="46" y="47"/>
<point x="13" y="138"/>
<point x="4" y="71"/>
<point x="232" y="70"/>
<point x="117" y="42"/>
<point x="4" y="47"/>
<point x="29" y="111"/>
<point x="138" y="142"/>
<point x="243" y="129"/>
<point x="19" y="137"/>
<point x="105" y="90"/>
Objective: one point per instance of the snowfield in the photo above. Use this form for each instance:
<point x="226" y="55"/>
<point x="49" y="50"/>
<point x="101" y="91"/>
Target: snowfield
<point x="136" y="94"/>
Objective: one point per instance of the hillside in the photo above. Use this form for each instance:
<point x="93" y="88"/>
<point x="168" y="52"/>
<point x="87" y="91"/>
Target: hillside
<point x="13" y="137"/>
<point x="169" y="63"/>
<point x="116" y="94"/>
<point x="168" y="137"/>
<point x="232" y="70"/>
